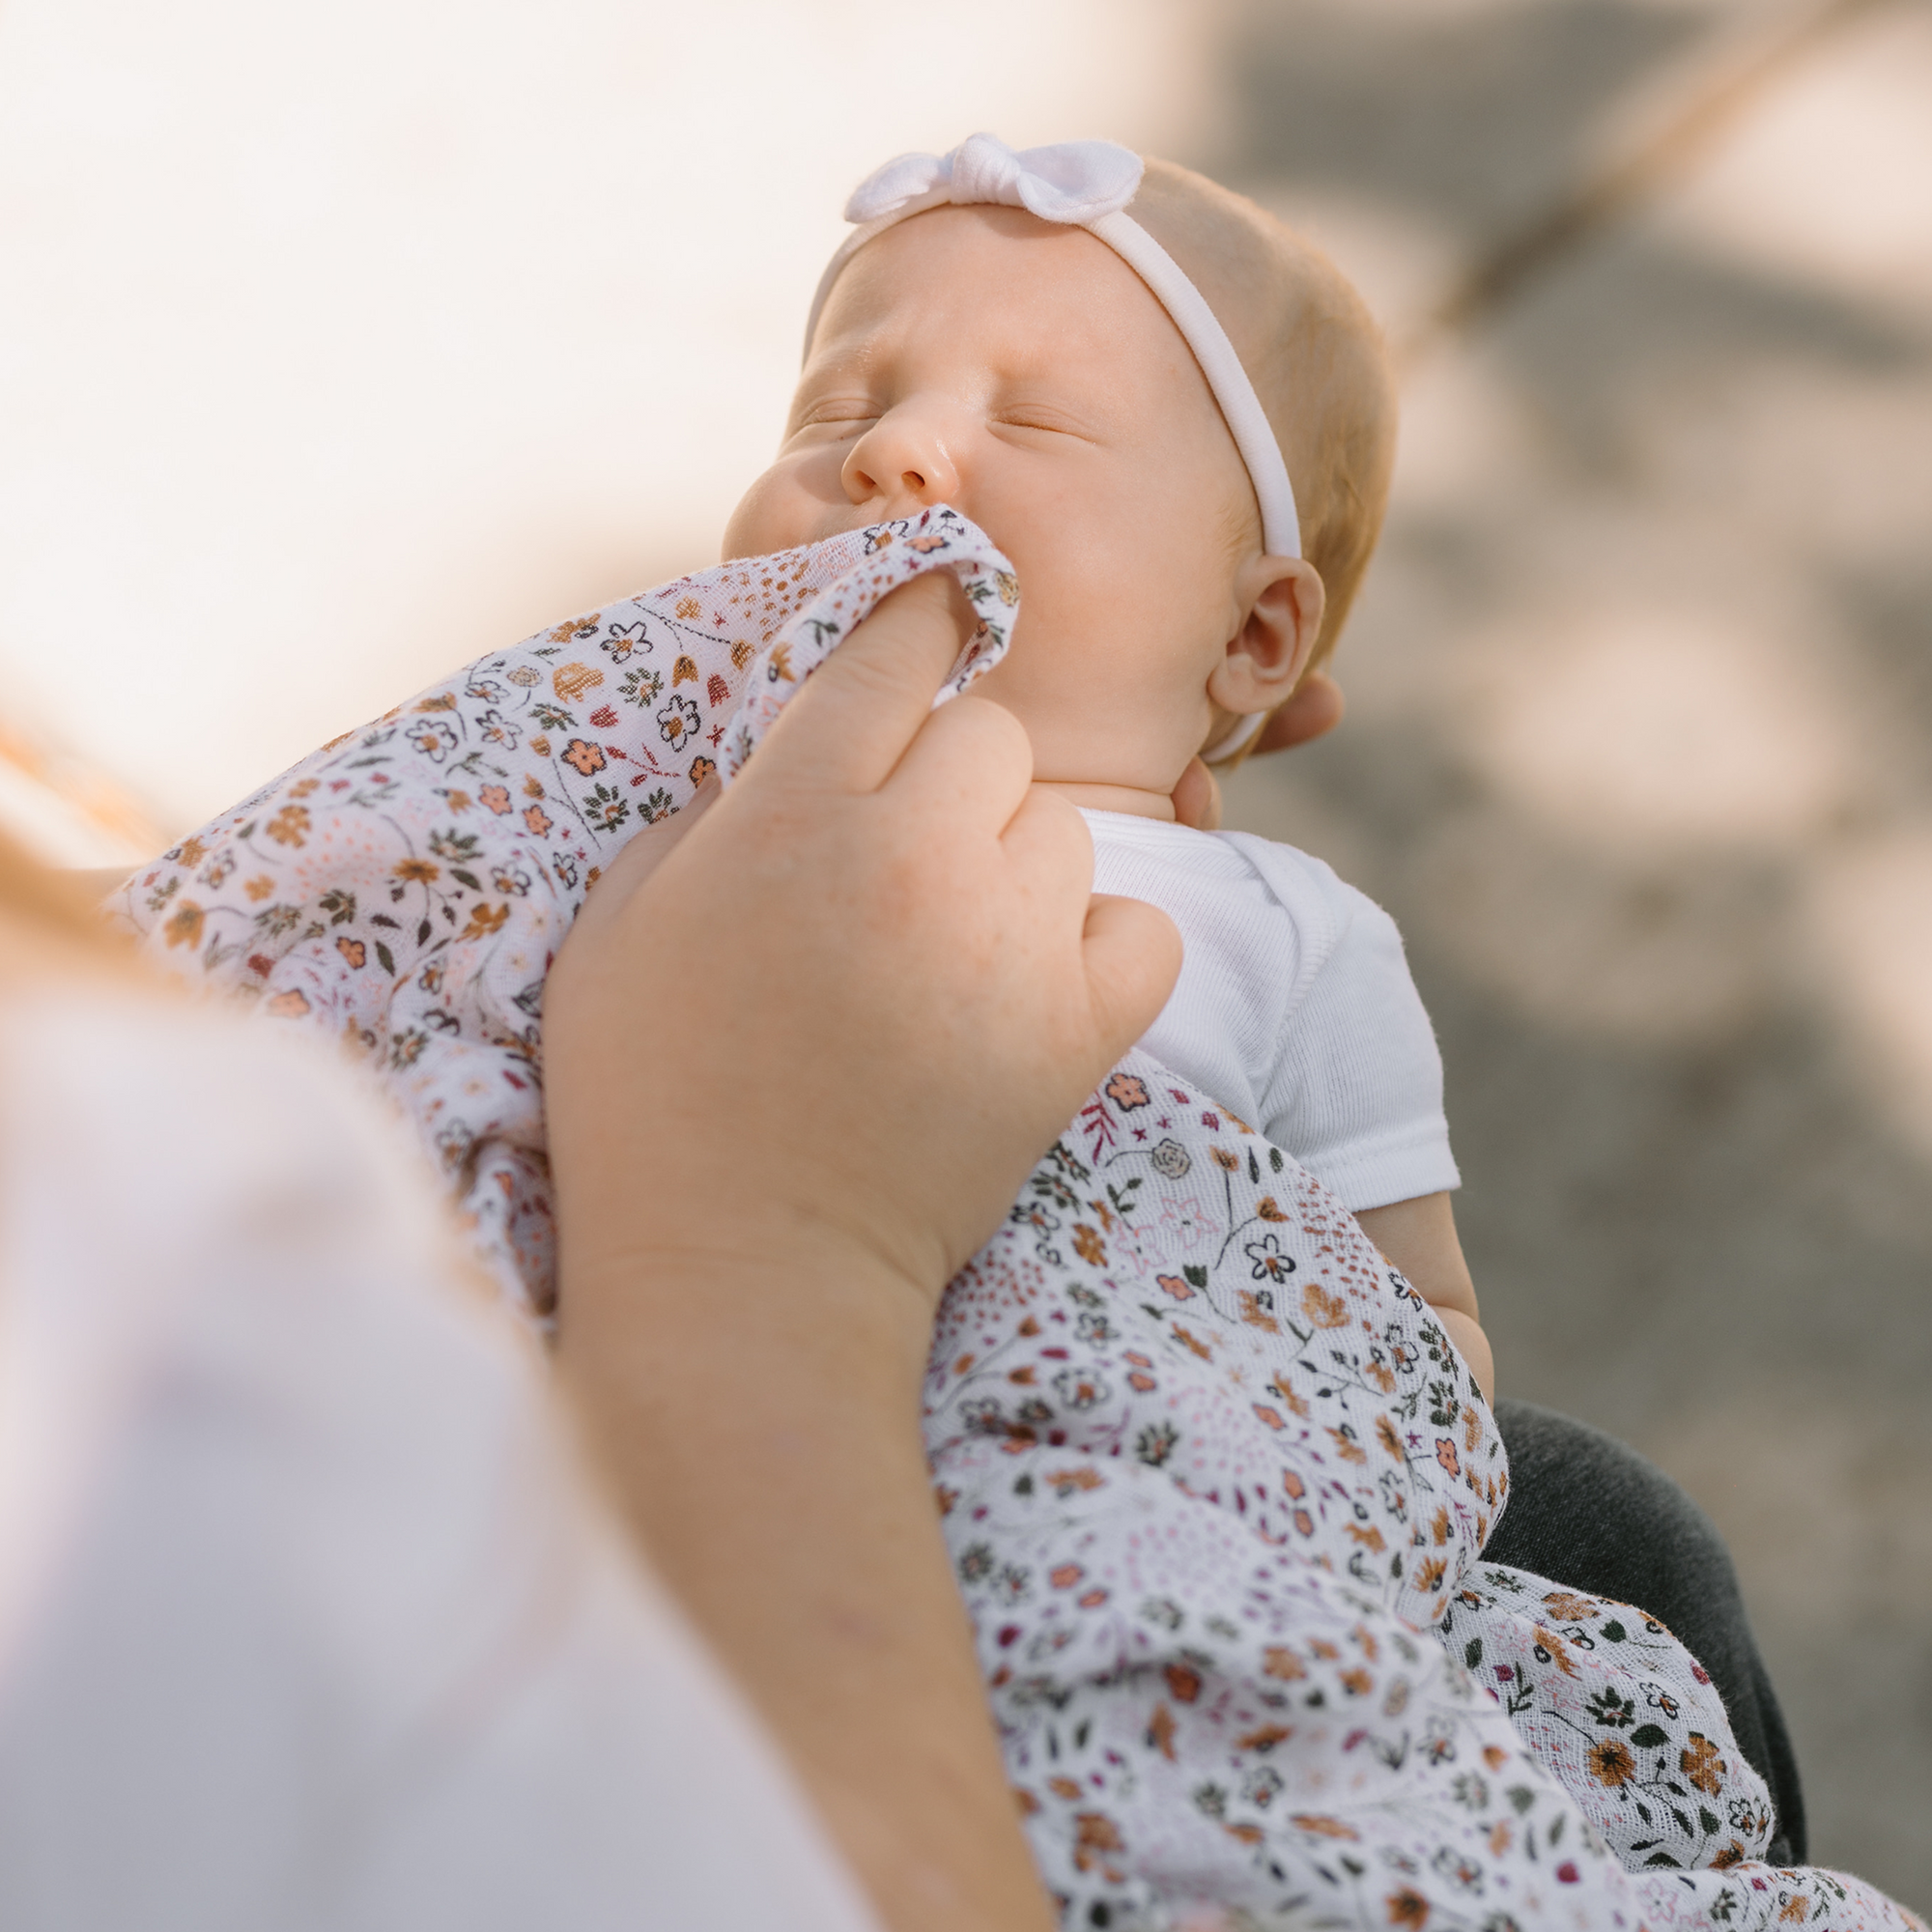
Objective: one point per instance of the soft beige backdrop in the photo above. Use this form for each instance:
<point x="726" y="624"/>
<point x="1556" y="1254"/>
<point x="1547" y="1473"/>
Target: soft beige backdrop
<point x="339" y="346"/>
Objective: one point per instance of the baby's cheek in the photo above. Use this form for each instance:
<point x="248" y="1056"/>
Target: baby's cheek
<point x="785" y="507"/>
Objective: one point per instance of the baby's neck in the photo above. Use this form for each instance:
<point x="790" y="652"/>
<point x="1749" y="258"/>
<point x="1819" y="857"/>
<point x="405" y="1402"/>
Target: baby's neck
<point x="1129" y="799"/>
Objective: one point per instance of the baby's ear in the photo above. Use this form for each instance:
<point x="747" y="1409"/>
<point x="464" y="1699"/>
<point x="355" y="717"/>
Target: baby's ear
<point x="1282" y="600"/>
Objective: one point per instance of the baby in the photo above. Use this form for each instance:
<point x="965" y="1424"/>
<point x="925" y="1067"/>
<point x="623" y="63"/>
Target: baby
<point x="1214" y="1480"/>
<point x="983" y="358"/>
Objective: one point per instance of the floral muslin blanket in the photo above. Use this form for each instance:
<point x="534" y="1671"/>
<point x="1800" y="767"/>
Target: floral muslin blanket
<point x="1214" y="1481"/>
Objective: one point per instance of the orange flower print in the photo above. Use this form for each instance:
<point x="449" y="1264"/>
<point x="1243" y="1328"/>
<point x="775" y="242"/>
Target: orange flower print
<point x="1407" y="1907"/>
<point x="416" y="872"/>
<point x="259" y="886"/>
<point x="457" y="801"/>
<point x="290" y="825"/>
<point x="1224" y="1160"/>
<point x="1063" y="1576"/>
<point x="1702" y="1764"/>
<point x="1127" y="1091"/>
<point x="1172" y="1284"/>
<point x="485" y="920"/>
<point x="1324" y="1310"/>
<point x="689" y="608"/>
<point x="584" y="756"/>
<point x="1385" y="1435"/>
<point x="290" y="1006"/>
<point x="495" y="798"/>
<point x="1184" y="1682"/>
<point x="1569" y="1608"/>
<point x="1610" y="1763"/>
<point x="1094" y="1833"/>
<point x="1161" y="1731"/>
<point x="1265" y="1739"/>
<point x="185" y="925"/>
<point x="354" y="950"/>
<point x="1282" y="1662"/>
<point x="1265" y="1207"/>
<point x="1445" y="1454"/>
<point x="1086" y="1244"/>
<point x="188" y="855"/>
<point x="576" y="627"/>
<point x="1323" y="1828"/>
<point x="683" y="671"/>
<point x="538" y="820"/>
<point x="1733" y="1853"/>
<point x="701" y="769"/>
<point x="1559" y="1651"/>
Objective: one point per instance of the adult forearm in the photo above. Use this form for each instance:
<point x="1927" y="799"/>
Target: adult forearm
<point x="758" y="1420"/>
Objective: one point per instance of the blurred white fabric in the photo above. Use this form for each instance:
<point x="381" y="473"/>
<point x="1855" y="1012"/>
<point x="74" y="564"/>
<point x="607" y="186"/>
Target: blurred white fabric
<point x="308" y="1618"/>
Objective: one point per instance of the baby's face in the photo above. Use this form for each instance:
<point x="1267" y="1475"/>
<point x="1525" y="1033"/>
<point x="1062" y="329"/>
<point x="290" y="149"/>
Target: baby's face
<point x="1025" y="375"/>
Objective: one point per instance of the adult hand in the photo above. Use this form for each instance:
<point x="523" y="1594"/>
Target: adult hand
<point x="801" y="1051"/>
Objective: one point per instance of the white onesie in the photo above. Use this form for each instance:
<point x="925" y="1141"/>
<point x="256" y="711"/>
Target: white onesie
<point x="1294" y="1007"/>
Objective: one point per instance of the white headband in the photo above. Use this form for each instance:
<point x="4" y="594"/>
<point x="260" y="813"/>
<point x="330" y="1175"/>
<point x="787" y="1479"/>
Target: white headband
<point x="1087" y="184"/>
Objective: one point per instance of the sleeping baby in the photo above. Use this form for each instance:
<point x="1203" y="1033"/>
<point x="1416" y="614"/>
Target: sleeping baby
<point x="1207" y="1417"/>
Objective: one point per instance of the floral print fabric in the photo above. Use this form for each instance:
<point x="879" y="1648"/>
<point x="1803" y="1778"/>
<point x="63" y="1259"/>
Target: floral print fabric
<point x="1214" y="1481"/>
<point x="405" y="888"/>
<point x="1215" y="1485"/>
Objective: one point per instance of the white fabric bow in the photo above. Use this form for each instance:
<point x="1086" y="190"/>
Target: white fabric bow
<point x="1075" y="182"/>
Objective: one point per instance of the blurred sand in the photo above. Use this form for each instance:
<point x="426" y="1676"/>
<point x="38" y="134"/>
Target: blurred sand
<point x="1641" y="756"/>
<point x="334" y="353"/>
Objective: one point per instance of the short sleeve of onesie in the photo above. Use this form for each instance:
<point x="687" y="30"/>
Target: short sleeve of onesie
<point x="1356" y="1093"/>
<point x="1294" y="1007"/>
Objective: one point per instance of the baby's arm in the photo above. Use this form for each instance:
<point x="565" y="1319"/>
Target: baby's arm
<point x="1420" y="1237"/>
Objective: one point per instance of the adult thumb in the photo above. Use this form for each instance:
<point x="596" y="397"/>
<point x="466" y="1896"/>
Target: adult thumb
<point x="1132" y="954"/>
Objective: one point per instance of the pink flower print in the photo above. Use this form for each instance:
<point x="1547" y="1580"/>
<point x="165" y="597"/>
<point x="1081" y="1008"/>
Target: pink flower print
<point x="1127" y="1091"/>
<point x="495" y="798"/>
<point x="538" y="820"/>
<point x="584" y="756"/>
<point x="1181" y="1228"/>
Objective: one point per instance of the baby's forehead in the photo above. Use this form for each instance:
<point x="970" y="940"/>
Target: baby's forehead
<point x="1037" y="293"/>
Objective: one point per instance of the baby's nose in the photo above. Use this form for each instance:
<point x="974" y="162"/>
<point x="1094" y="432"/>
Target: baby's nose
<point x="901" y="458"/>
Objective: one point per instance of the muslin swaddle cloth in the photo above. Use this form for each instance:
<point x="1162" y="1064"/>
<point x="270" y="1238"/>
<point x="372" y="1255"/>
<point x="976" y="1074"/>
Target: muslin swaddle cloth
<point x="1214" y="1481"/>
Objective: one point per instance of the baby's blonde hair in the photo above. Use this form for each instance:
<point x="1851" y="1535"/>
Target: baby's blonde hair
<point x="1314" y="353"/>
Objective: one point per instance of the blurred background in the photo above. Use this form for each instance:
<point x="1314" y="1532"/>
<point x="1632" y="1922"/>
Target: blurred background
<point x="339" y="346"/>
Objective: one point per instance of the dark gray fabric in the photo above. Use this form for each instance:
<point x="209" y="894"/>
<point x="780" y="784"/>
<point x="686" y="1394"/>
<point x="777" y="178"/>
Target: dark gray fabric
<point x="1589" y="1512"/>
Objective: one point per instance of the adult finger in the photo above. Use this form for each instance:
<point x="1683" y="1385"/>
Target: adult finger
<point x="1048" y="842"/>
<point x="850" y="725"/>
<point x="1132" y="953"/>
<point x="643" y="856"/>
<point x="972" y="760"/>
<point x="1317" y="707"/>
<point x="1196" y="798"/>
